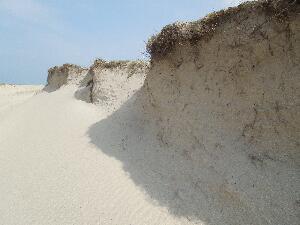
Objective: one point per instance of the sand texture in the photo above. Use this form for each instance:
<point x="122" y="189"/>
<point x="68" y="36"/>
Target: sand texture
<point x="205" y="133"/>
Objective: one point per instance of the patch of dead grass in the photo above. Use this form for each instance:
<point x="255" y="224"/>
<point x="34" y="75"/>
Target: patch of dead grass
<point x="179" y="33"/>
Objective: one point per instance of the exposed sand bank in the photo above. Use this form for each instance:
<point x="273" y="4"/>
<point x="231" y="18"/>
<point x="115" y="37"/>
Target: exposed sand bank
<point x="208" y="133"/>
<point x="227" y="105"/>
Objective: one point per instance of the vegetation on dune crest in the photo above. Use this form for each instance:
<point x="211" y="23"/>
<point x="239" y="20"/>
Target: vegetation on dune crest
<point x="101" y="63"/>
<point x="179" y="33"/>
<point x="131" y="67"/>
<point x="65" y="68"/>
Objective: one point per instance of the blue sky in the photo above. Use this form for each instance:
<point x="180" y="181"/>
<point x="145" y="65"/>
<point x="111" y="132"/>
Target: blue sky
<point x="38" y="34"/>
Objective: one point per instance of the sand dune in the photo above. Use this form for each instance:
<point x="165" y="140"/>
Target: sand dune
<point x="51" y="173"/>
<point x="206" y="133"/>
<point x="12" y="95"/>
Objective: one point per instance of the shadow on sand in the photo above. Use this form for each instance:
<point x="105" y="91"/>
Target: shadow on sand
<point x="197" y="193"/>
<point x="128" y="137"/>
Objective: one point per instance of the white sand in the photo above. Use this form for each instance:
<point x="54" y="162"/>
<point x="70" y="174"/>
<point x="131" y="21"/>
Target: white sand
<point x="52" y="174"/>
<point x="12" y="95"/>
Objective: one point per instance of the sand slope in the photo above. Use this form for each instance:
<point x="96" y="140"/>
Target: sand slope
<point x="12" y="95"/>
<point x="52" y="174"/>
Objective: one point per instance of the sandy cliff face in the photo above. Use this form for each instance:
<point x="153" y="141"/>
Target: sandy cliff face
<point x="225" y="92"/>
<point x="241" y="85"/>
<point x="116" y="81"/>
<point x="106" y="83"/>
<point x="65" y="74"/>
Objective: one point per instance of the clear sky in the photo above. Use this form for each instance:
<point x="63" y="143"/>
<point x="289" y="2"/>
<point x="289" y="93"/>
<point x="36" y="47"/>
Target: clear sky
<point x="38" y="34"/>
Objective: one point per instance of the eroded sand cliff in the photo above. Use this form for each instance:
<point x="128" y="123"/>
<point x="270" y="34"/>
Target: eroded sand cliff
<point x="63" y="75"/>
<point x="225" y="92"/>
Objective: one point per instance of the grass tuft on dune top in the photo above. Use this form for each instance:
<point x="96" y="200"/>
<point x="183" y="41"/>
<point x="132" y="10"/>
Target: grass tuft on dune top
<point x="179" y="33"/>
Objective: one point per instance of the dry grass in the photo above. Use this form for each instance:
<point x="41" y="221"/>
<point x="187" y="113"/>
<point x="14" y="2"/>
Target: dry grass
<point x="103" y="64"/>
<point x="135" y="67"/>
<point x="179" y="33"/>
<point x="132" y="67"/>
<point x="65" y="68"/>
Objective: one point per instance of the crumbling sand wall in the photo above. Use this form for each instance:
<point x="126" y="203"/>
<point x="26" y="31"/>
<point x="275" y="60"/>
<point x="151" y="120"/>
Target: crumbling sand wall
<point x="243" y="83"/>
<point x="62" y="75"/>
<point x="225" y="94"/>
<point x="106" y="83"/>
<point x="114" y="82"/>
